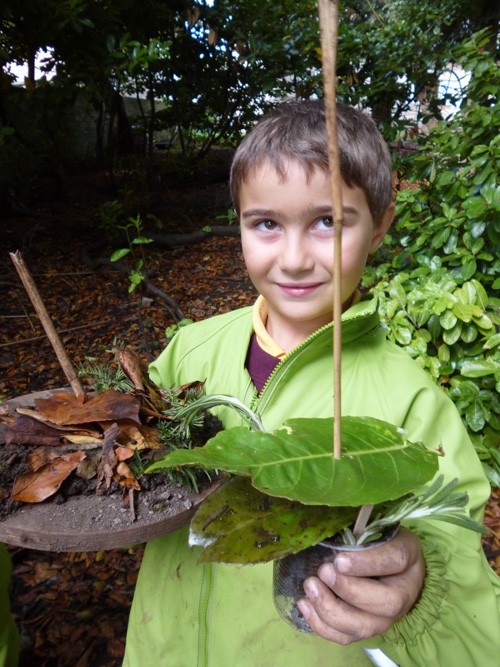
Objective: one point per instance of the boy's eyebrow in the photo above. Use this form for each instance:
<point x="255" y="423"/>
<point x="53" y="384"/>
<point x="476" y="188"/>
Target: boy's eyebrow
<point x="271" y="212"/>
<point x="310" y="210"/>
<point x="259" y="213"/>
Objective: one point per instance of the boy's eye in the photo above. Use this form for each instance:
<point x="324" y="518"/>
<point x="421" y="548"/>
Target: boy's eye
<point x="267" y="225"/>
<point x="326" y="222"/>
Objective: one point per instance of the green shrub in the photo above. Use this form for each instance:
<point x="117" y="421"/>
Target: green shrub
<point x="451" y="331"/>
<point x="438" y="296"/>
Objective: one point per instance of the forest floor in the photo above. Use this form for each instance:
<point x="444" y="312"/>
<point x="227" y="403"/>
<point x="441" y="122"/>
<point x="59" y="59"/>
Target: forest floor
<point x="72" y="608"/>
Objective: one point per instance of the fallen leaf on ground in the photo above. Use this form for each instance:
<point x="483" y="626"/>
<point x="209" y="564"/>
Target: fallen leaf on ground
<point x="39" y="457"/>
<point x="27" y="431"/>
<point x="33" y="487"/>
<point x="111" y="405"/>
<point x="125" y="477"/>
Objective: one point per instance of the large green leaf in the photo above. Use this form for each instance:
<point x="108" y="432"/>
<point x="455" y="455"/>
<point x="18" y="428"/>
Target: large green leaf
<point x="296" y="462"/>
<point x="238" y="524"/>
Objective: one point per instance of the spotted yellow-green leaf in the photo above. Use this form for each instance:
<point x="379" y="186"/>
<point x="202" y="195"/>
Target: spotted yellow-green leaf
<point x="238" y="524"/>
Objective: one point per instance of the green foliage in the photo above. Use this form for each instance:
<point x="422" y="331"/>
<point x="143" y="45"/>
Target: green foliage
<point x="34" y="137"/>
<point x="230" y="217"/>
<point x="238" y="524"/>
<point x="171" y="330"/>
<point x="104" y="375"/>
<point x="451" y="331"/>
<point x="296" y="462"/>
<point x="217" y="66"/>
<point x="453" y="204"/>
<point x="178" y="433"/>
<point x="290" y="492"/>
<point x="438" y="503"/>
<point x="438" y="296"/>
<point x="133" y="228"/>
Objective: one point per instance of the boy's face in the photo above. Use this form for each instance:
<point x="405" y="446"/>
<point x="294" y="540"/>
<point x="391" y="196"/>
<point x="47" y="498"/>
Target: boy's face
<point x="287" y="240"/>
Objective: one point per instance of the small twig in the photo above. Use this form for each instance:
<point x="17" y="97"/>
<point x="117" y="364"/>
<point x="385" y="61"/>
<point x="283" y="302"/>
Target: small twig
<point x="34" y="295"/>
<point x="131" y="504"/>
<point x="61" y="331"/>
<point x="362" y="520"/>
<point x="28" y="316"/>
<point x="328" y="19"/>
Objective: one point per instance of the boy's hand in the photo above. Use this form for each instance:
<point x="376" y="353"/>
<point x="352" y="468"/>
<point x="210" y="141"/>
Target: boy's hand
<point x="362" y="593"/>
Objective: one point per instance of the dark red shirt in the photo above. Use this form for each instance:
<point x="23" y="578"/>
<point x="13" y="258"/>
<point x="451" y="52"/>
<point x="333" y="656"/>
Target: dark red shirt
<point x="260" y="364"/>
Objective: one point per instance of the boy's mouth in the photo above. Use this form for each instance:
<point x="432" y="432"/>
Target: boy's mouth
<point x="296" y="289"/>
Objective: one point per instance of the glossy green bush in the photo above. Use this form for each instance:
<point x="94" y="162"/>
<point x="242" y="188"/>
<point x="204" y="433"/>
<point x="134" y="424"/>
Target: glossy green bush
<point x="439" y="294"/>
<point x="453" y="205"/>
<point x="451" y="330"/>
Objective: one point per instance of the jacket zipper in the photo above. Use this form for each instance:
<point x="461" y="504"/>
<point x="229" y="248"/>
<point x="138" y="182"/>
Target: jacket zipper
<point x="205" y="592"/>
<point x="257" y="398"/>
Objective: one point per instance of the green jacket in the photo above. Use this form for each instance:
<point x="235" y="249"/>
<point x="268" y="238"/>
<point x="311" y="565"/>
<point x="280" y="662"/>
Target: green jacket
<point x="9" y="639"/>
<point x="187" y="615"/>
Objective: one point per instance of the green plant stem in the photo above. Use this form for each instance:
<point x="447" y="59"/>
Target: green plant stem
<point x="207" y="402"/>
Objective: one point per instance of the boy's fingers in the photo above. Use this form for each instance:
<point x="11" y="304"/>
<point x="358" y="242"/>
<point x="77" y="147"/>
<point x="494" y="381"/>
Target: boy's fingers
<point x="389" y="597"/>
<point x="336" y="620"/>
<point x="320" y="628"/>
<point x="391" y="558"/>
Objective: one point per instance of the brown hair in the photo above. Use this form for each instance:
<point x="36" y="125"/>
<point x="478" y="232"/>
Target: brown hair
<point x="296" y="131"/>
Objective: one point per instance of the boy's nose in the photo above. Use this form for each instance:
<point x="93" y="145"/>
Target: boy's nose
<point x="295" y="256"/>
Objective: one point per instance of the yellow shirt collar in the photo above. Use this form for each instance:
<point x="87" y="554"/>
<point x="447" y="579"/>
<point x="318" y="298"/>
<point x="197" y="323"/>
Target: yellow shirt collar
<point x="259" y="319"/>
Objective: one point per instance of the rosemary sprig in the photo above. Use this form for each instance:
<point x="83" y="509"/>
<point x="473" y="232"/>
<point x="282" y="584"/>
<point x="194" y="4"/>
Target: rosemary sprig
<point x="438" y="502"/>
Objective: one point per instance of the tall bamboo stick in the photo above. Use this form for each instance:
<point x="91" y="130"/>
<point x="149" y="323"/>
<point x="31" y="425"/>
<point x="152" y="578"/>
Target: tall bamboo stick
<point x="35" y="298"/>
<point x="328" y="21"/>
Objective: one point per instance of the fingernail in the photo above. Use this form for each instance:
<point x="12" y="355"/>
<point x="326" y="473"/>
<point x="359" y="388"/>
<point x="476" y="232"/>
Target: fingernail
<point x="303" y="607"/>
<point x="327" y="573"/>
<point x="311" y="589"/>
<point x="342" y="563"/>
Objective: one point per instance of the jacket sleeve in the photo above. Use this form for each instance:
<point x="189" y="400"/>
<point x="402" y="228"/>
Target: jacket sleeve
<point x="457" y="619"/>
<point x="9" y="638"/>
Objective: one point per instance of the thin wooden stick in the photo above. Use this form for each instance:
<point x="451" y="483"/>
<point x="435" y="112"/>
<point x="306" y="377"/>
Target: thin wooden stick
<point x="34" y="295"/>
<point x="328" y="20"/>
<point x="362" y="520"/>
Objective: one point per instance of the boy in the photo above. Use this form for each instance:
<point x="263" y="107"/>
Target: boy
<point x="428" y="596"/>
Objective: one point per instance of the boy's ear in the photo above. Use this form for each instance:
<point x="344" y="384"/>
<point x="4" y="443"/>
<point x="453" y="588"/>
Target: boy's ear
<point x="382" y="228"/>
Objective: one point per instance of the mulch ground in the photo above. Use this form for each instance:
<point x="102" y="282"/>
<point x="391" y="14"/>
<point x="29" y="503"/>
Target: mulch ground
<point x="72" y="608"/>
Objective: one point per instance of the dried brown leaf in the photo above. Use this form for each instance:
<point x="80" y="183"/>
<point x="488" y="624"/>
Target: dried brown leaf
<point x="33" y="487"/>
<point x="132" y="367"/>
<point x="65" y="409"/>
<point x="130" y="436"/>
<point x="28" y="431"/>
<point x="84" y="431"/>
<point x="39" y="457"/>
<point x="126" y="477"/>
<point x="123" y="453"/>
